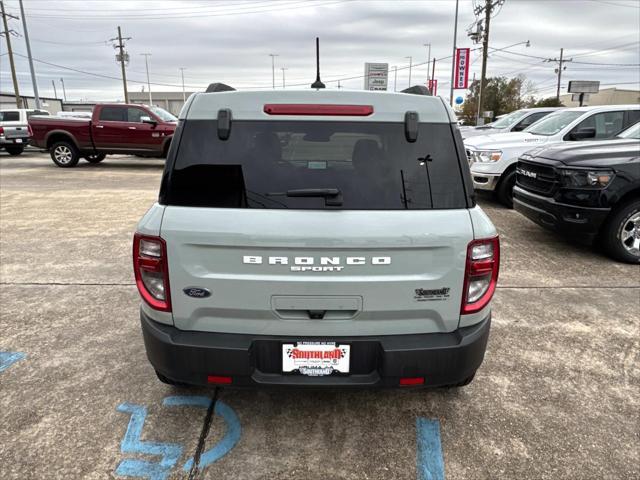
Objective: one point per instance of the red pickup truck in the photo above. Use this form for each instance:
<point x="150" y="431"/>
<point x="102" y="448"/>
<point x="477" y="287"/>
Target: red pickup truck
<point x="112" y="129"/>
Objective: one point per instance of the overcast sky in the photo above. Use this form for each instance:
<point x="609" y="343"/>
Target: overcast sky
<point x="230" y="41"/>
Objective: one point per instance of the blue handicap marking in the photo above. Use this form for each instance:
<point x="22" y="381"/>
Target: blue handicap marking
<point x="231" y="436"/>
<point x="170" y="452"/>
<point x="429" y="453"/>
<point x="9" y="358"/>
<point x="131" y="443"/>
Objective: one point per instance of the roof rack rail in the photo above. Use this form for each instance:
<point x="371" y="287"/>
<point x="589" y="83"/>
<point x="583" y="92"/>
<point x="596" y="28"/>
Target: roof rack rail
<point x="218" y="87"/>
<point x="417" y="90"/>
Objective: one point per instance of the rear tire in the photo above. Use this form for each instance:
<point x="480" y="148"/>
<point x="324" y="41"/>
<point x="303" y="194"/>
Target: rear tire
<point x="14" y="151"/>
<point x="65" y="154"/>
<point x="95" y="158"/>
<point x="620" y="235"/>
<point x="504" y="191"/>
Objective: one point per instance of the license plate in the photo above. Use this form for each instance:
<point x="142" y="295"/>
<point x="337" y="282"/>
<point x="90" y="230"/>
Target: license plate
<point x="315" y="358"/>
<point x="18" y="140"/>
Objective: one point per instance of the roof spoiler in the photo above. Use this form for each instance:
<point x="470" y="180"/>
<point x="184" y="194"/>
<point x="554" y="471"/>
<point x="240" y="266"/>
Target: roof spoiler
<point x="218" y="87"/>
<point x="417" y="90"/>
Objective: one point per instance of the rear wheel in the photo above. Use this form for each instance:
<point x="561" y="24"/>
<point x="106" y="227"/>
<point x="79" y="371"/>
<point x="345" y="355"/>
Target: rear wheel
<point x="64" y="154"/>
<point x="621" y="233"/>
<point x="504" y="192"/>
<point x="95" y="158"/>
<point x="14" y="150"/>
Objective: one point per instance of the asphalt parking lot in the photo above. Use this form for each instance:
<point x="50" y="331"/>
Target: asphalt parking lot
<point x="558" y="395"/>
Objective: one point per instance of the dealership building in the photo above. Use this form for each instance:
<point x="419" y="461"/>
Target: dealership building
<point x="606" y="96"/>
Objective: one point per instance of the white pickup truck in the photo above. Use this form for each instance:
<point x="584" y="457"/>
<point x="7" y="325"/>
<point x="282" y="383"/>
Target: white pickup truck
<point x="493" y="158"/>
<point x="14" y="129"/>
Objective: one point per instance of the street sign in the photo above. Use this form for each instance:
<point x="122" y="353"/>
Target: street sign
<point x="583" y="86"/>
<point x="462" y="68"/>
<point x="433" y="86"/>
<point x="376" y="76"/>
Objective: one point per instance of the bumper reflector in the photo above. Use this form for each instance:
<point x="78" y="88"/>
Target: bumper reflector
<point x="411" y="381"/>
<point x="218" y="380"/>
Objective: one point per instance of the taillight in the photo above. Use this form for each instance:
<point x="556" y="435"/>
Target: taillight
<point x="1" y="131"/>
<point x="481" y="274"/>
<point x="150" y="268"/>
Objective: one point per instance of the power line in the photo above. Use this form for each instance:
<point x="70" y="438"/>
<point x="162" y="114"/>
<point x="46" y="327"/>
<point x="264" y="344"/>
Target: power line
<point x="266" y="9"/>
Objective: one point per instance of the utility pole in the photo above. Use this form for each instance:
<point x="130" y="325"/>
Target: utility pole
<point x="428" y="60"/>
<point x="184" y="95"/>
<point x="560" y="68"/>
<point x="433" y="76"/>
<point x="487" y="9"/>
<point x="283" y="69"/>
<point x="453" y="58"/>
<point x="33" y="71"/>
<point x="64" y="92"/>
<point x="122" y="57"/>
<point x="410" y="65"/>
<point x="273" y="69"/>
<point x="7" y="34"/>
<point x="395" y="78"/>
<point x="146" y="64"/>
<point x="55" y="92"/>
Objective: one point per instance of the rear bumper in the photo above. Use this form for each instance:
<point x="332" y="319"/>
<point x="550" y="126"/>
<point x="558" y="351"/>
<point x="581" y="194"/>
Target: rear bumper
<point x="254" y="360"/>
<point x="569" y="220"/>
<point x="14" y="141"/>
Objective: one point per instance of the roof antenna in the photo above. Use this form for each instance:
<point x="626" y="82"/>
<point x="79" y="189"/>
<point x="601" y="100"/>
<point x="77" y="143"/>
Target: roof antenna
<point x="317" y="83"/>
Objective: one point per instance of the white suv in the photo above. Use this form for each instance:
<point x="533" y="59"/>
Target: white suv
<point x="493" y="158"/>
<point x="514" y="122"/>
<point x="316" y="237"/>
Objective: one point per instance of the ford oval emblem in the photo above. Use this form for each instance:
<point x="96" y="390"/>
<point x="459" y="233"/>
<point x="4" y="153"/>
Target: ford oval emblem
<point x="196" y="292"/>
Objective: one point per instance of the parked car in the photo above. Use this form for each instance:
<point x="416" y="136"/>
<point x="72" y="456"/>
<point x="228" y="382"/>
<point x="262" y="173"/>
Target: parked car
<point x="513" y="122"/>
<point x="14" y="129"/>
<point x="493" y="158"/>
<point x="318" y="238"/>
<point x="112" y="128"/>
<point x="587" y="191"/>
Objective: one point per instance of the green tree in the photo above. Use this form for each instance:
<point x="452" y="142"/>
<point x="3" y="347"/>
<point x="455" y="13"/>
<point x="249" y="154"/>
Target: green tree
<point x="501" y="95"/>
<point x="545" y="102"/>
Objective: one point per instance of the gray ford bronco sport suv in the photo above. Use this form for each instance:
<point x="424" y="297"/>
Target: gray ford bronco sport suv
<point x="316" y="238"/>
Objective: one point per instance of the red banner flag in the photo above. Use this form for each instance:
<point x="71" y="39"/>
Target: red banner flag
<point x="462" y="68"/>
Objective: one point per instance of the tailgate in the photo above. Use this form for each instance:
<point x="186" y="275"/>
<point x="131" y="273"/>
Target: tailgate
<point x="338" y="273"/>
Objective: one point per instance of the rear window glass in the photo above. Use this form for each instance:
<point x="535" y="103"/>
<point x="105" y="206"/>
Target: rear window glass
<point x="9" y="116"/>
<point x="315" y="165"/>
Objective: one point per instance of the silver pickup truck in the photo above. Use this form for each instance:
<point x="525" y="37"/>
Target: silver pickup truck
<point x="316" y="238"/>
<point x="14" y="129"/>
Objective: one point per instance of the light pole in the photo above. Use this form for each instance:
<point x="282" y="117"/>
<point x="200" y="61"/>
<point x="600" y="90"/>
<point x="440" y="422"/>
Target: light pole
<point x="64" y="91"/>
<point x="410" y="65"/>
<point x="395" y="78"/>
<point x="184" y="97"/>
<point x="283" y="69"/>
<point x="428" y="60"/>
<point x="146" y="64"/>
<point x="273" y="69"/>
<point x="453" y="58"/>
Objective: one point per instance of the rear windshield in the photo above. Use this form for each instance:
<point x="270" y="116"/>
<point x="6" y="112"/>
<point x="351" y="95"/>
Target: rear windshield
<point x="315" y="165"/>
<point x="9" y="116"/>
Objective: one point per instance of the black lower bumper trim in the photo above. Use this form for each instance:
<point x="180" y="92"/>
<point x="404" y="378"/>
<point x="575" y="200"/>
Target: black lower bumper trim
<point x="573" y="221"/>
<point x="376" y="361"/>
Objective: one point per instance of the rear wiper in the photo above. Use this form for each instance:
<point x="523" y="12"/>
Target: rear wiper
<point x="332" y="196"/>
